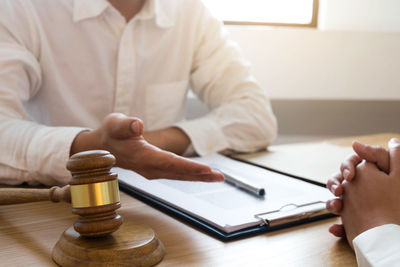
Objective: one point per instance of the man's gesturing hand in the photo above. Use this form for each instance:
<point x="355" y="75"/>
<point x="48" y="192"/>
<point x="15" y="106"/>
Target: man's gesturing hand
<point x="123" y="137"/>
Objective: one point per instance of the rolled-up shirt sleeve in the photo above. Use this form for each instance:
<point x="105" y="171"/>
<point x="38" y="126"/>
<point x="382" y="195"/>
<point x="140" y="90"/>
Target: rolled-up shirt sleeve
<point x="240" y="115"/>
<point x="378" y="247"/>
<point x="30" y="152"/>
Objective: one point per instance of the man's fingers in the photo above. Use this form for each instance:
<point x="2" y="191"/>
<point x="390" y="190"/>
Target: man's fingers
<point x="120" y="126"/>
<point x="394" y="150"/>
<point x="348" y="167"/>
<point x="213" y="176"/>
<point x="337" y="230"/>
<point x="335" y="184"/>
<point x="175" y="167"/>
<point x="374" y="154"/>
<point x="334" y="206"/>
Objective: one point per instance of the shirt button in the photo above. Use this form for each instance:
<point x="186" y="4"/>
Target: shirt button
<point x="122" y="93"/>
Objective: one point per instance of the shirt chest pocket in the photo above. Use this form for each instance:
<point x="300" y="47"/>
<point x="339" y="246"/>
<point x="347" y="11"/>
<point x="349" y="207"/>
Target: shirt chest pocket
<point x="165" y="104"/>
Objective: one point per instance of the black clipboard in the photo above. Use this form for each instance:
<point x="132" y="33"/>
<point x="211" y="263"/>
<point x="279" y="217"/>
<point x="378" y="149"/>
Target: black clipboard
<point x="266" y="225"/>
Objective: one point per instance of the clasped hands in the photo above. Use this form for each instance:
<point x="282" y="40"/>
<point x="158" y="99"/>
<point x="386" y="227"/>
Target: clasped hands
<point x="367" y="190"/>
<point x="123" y="137"/>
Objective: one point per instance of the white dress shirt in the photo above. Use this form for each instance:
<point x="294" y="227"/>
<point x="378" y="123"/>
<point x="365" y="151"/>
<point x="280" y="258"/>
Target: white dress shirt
<point x="378" y="247"/>
<point x="65" y="65"/>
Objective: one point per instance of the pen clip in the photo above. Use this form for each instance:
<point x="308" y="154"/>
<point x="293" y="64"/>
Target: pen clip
<point x="292" y="213"/>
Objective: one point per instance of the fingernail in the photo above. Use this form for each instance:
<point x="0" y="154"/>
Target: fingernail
<point x="221" y="177"/>
<point x="216" y="177"/>
<point x="346" y="174"/>
<point x="135" y="127"/>
<point x="394" y="142"/>
<point x="334" y="187"/>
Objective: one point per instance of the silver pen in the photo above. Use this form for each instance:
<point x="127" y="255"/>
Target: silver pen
<point x="242" y="183"/>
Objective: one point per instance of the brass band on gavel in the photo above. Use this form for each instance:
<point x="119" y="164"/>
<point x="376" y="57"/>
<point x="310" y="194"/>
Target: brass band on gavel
<point x="95" y="194"/>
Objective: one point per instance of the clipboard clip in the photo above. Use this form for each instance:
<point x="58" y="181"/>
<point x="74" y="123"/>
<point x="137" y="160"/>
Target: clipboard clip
<point x="292" y="213"/>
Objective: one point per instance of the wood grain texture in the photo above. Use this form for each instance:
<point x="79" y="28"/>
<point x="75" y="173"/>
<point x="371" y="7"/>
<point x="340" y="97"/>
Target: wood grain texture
<point x="24" y="195"/>
<point x="94" y="167"/>
<point x="96" y="238"/>
<point x="375" y="139"/>
<point x="132" y="245"/>
<point x="28" y="233"/>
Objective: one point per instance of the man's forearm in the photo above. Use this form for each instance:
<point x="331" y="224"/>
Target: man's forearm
<point x="171" y="139"/>
<point x="86" y="140"/>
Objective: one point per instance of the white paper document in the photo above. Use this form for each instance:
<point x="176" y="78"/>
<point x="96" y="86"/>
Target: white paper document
<point x="223" y="205"/>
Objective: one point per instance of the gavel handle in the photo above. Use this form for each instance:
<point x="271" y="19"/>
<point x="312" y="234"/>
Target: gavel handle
<point x="25" y="195"/>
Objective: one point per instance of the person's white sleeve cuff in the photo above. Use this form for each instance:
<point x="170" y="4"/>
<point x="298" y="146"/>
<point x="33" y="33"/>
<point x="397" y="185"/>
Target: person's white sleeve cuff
<point x="205" y="135"/>
<point x="378" y="247"/>
<point x="189" y="152"/>
<point x="48" y="154"/>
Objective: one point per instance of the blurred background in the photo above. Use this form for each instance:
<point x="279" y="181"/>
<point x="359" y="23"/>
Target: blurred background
<point x="331" y="67"/>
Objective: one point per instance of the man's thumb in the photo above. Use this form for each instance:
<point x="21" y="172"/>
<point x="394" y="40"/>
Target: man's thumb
<point x="394" y="150"/>
<point x="122" y="127"/>
<point x="374" y="154"/>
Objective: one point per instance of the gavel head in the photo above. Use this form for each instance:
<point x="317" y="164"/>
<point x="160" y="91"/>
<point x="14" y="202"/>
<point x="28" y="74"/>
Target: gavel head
<point x="94" y="193"/>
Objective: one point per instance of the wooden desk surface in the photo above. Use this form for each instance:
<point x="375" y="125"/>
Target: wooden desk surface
<point x="28" y="233"/>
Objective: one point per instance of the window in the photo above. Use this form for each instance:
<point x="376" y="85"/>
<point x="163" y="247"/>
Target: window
<point x="266" y="12"/>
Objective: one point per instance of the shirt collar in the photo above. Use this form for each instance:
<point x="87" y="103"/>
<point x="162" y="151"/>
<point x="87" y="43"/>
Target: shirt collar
<point x="161" y="11"/>
<point x="84" y="9"/>
<point x="164" y="12"/>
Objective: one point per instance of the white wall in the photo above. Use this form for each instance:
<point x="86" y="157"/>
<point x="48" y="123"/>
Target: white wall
<point x="354" y="55"/>
<point x="360" y="15"/>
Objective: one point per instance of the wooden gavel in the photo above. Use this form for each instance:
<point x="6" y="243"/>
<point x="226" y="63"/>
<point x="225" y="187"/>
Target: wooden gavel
<point x="94" y="195"/>
<point x="10" y="196"/>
